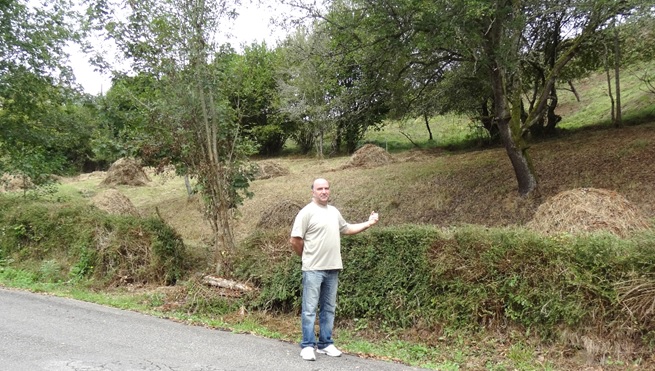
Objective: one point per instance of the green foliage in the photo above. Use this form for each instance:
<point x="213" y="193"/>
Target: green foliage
<point x="33" y="36"/>
<point x="265" y="260"/>
<point x="252" y="86"/>
<point x="83" y="268"/>
<point x="123" y="129"/>
<point x="386" y="275"/>
<point x="189" y="102"/>
<point x="44" y="130"/>
<point x="64" y="241"/>
<point x="467" y="279"/>
<point x="169" y="251"/>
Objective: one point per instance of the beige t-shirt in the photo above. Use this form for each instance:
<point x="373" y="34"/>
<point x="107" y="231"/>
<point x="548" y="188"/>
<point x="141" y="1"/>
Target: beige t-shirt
<point x="320" y="227"/>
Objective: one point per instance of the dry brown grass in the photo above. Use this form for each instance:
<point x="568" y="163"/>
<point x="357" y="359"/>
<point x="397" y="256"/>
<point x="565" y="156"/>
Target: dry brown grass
<point x="584" y="210"/>
<point x="113" y="201"/>
<point x="476" y="187"/>
<point x="126" y="171"/>
<point x="431" y="187"/>
<point x="270" y="169"/>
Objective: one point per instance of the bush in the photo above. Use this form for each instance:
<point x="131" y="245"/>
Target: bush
<point x="266" y="260"/>
<point x="471" y="278"/>
<point x="387" y="275"/>
<point x="89" y="244"/>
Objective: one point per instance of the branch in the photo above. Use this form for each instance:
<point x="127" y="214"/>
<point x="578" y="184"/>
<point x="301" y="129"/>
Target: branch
<point x="226" y="284"/>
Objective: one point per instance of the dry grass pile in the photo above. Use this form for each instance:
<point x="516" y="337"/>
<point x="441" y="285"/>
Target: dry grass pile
<point x="11" y="183"/>
<point x="114" y="202"/>
<point x="280" y="215"/>
<point x="126" y="171"/>
<point x="369" y="156"/>
<point x="588" y="210"/>
<point x="270" y="169"/>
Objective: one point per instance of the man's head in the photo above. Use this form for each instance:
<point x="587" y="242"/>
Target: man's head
<point x="321" y="191"/>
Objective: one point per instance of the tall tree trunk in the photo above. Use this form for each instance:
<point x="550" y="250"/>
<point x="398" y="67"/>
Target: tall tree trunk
<point x="509" y="122"/>
<point x="427" y="125"/>
<point x="609" y="91"/>
<point x="618" y="120"/>
<point x="573" y="90"/>
<point x="552" y="118"/>
<point x="509" y="128"/>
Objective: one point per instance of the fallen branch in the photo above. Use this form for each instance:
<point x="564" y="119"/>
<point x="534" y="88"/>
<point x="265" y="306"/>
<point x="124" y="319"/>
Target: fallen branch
<point x="226" y="284"/>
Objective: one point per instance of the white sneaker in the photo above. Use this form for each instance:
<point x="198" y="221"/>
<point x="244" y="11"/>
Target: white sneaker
<point x="307" y="353"/>
<point x="330" y="350"/>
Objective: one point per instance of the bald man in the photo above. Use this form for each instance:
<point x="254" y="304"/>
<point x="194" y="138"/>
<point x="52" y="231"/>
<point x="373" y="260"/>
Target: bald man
<point x="316" y="237"/>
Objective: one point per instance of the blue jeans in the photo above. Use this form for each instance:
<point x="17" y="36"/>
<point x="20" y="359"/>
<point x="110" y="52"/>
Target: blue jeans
<point x="319" y="292"/>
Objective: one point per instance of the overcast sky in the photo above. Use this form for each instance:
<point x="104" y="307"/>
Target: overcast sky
<point x="252" y="25"/>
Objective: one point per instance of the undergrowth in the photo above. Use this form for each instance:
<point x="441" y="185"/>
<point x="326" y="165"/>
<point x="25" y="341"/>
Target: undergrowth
<point x="472" y="279"/>
<point x="75" y="242"/>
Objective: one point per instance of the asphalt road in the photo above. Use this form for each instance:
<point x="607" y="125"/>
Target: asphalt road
<point x="41" y="332"/>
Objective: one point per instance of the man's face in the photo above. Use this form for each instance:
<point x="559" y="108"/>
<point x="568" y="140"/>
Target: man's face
<point x="321" y="191"/>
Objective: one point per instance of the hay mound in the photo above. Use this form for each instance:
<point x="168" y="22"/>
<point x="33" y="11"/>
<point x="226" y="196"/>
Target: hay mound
<point x="270" y="169"/>
<point x="126" y="171"/>
<point x="114" y="202"/>
<point x="11" y="183"/>
<point x="588" y="210"/>
<point x="369" y="156"/>
<point x="279" y="215"/>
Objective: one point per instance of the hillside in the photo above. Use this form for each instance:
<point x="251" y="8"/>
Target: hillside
<point x="433" y="186"/>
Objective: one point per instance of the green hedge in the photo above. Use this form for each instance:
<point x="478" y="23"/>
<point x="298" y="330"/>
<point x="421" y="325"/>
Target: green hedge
<point x="470" y="278"/>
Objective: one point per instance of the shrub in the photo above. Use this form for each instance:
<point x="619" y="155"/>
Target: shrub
<point x="266" y="260"/>
<point x="472" y="278"/>
<point x="88" y="243"/>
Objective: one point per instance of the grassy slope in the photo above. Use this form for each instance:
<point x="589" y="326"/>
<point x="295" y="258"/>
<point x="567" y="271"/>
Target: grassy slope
<point x="436" y="186"/>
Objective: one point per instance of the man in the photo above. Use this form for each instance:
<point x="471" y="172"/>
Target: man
<point x="316" y="237"/>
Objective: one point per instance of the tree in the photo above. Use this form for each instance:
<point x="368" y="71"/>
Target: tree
<point x="304" y="88"/>
<point x="39" y="130"/>
<point x="173" y="41"/>
<point x="253" y="94"/>
<point x="425" y="40"/>
<point x="638" y="41"/>
<point x="124" y="128"/>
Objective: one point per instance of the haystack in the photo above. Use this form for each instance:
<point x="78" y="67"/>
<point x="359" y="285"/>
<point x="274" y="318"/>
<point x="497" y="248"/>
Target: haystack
<point x="126" y="171"/>
<point x="584" y="210"/>
<point x="114" y="202"/>
<point x="369" y="156"/>
<point x="279" y="215"/>
<point x="10" y="183"/>
<point x="270" y="169"/>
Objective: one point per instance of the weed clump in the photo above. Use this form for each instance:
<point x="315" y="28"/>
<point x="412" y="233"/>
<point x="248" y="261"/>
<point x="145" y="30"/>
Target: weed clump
<point x="469" y="279"/>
